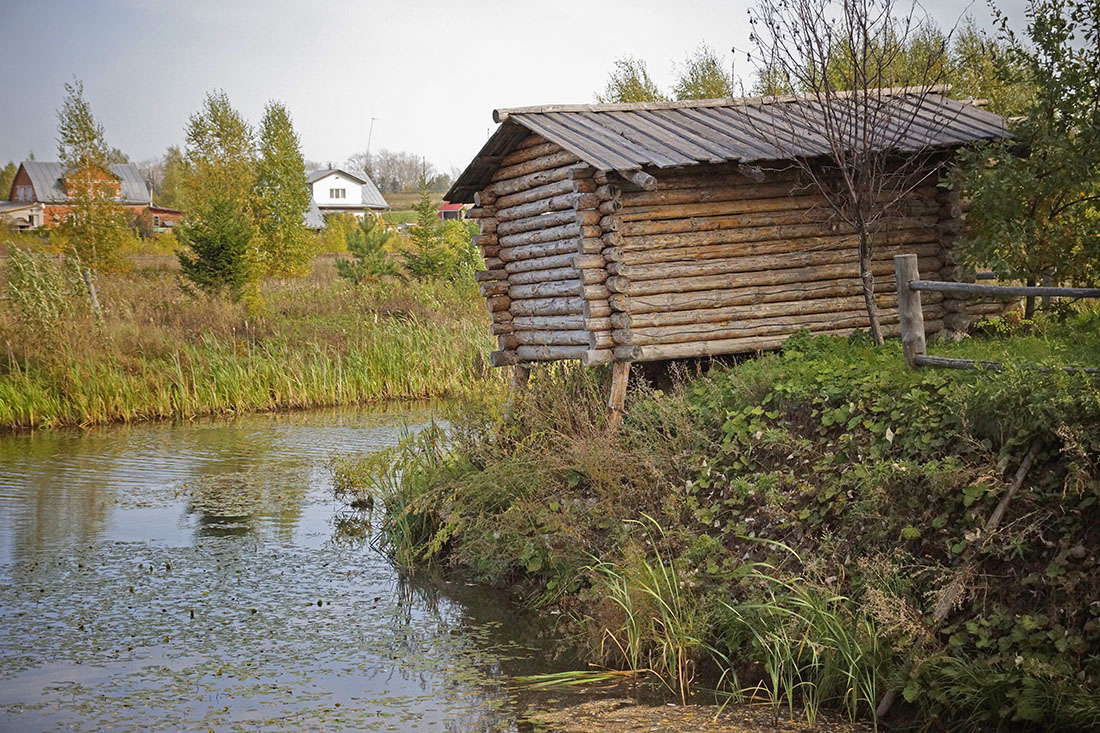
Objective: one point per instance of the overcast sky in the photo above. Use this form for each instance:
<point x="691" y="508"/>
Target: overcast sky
<point x="430" y="72"/>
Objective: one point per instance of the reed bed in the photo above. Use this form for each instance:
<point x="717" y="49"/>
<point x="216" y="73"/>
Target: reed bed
<point x="314" y="342"/>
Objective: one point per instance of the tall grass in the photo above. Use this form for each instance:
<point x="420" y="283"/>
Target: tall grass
<point x="818" y="649"/>
<point x="315" y="342"/>
<point x="661" y="627"/>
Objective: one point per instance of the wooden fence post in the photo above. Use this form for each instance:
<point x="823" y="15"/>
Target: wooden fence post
<point x="909" y="309"/>
<point x="620" y="375"/>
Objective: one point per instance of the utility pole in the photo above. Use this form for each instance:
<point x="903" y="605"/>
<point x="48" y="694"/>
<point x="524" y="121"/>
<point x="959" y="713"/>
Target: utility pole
<point x="370" y="133"/>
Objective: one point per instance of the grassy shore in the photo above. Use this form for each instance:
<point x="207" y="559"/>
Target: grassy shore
<point x="315" y="341"/>
<point x="783" y="528"/>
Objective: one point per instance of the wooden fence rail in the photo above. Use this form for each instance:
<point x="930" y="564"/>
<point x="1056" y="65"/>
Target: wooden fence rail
<point x="911" y="316"/>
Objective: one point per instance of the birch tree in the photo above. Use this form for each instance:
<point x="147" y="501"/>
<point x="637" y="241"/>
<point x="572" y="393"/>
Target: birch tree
<point x="840" y="55"/>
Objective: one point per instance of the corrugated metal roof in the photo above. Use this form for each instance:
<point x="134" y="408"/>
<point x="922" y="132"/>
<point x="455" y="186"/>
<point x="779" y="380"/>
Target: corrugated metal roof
<point x="372" y="197"/>
<point x="313" y="217"/>
<point x="627" y="137"/>
<point x="46" y="177"/>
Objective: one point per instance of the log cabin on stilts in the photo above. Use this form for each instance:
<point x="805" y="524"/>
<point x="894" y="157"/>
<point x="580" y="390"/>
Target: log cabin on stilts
<point x="621" y="233"/>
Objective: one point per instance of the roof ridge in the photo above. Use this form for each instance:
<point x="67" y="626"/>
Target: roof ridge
<point x="502" y="114"/>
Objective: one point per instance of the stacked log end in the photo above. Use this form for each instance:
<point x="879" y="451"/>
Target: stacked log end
<point x="546" y="254"/>
<point x="960" y="311"/>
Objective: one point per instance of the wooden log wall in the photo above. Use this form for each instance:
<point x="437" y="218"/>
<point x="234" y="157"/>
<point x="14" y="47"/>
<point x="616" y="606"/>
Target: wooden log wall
<point x="960" y="311"/>
<point x="541" y="240"/>
<point x="715" y="262"/>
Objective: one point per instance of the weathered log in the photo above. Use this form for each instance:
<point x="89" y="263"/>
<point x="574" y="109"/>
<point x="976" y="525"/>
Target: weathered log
<point x="487" y="275"/>
<point x="553" y="338"/>
<point x="661" y="352"/>
<point x="484" y="240"/>
<point x="909" y="207"/>
<point x="641" y="179"/>
<point x="752" y="234"/>
<point x="493" y="263"/>
<point x="543" y="249"/>
<point x="498" y="303"/>
<point x="550" y="353"/>
<point x="701" y="192"/>
<point x="597" y="324"/>
<point x="490" y="289"/>
<point x="490" y="251"/>
<point x="500" y="316"/>
<point x="609" y="192"/>
<point x="762" y="263"/>
<point x="549" y="220"/>
<point x="601" y="356"/>
<point x="594" y="292"/>
<point x="610" y="207"/>
<point x="618" y="284"/>
<point x="600" y="340"/>
<point x="549" y="190"/>
<point x="477" y="212"/>
<point x="484" y="199"/>
<point x="832" y="299"/>
<point x="550" y="323"/>
<point x="836" y="271"/>
<point x="535" y="165"/>
<point x="592" y="309"/>
<point x="543" y="276"/>
<point x="498" y="329"/>
<point x="563" y="306"/>
<point x="522" y="155"/>
<point x="545" y="290"/>
<point x="768" y="247"/>
<point x="487" y="226"/>
<point x="507" y="342"/>
<point x="856" y="318"/>
<point x="541" y="263"/>
<point x="610" y="223"/>
<point x="563" y="202"/>
<point x="532" y="180"/>
<point x="589" y="262"/>
<point x="549" y="235"/>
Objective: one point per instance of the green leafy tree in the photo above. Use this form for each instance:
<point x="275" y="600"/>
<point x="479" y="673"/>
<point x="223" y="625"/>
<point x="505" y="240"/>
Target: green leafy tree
<point x="983" y="67"/>
<point x="370" y="260"/>
<point x="171" y="187"/>
<point x="217" y="241"/>
<point x="220" y="156"/>
<point x="704" y="76"/>
<point x="95" y="226"/>
<point x="427" y="257"/>
<point x="458" y="238"/>
<point x="282" y="196"/>
<point x="7" y="177"/>
<point x="1035" y="199"/>
<point x="630" y="82"/>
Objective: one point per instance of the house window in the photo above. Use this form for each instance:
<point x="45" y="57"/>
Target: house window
<point x="337" y="193"/>
<point x="156" y="220"/>
<point x="24" y="193"/>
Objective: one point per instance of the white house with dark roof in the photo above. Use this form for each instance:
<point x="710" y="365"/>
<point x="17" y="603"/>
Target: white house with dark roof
<point x="344" y="191"/>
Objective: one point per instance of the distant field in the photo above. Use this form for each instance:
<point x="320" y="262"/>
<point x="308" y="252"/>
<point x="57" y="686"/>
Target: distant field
<point x="406" y="201"/>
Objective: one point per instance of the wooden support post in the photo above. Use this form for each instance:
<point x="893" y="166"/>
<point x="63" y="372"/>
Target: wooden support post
<point x="620" y="376"/>
<point x="520" y="374"/>
<point x="910" y="315"/>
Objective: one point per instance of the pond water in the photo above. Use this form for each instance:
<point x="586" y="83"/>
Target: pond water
<point x="202" y="576"/>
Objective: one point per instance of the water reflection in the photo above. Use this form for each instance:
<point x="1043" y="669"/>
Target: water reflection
<point x="200" y="575"/>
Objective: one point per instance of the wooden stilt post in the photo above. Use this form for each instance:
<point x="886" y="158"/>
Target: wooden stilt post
<point x="910" y="314"/>
<point x="620" y="376"/>
<point x="520" y="374"/>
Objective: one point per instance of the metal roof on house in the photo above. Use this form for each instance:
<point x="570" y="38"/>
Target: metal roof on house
<point x="313" y="217"/>
<point x="46" y="177"/>
<point x="626" y="137"/>
<point x="372" y="197"/>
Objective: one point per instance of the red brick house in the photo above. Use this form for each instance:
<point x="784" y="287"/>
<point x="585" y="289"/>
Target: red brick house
<point x="38" y="196"/>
